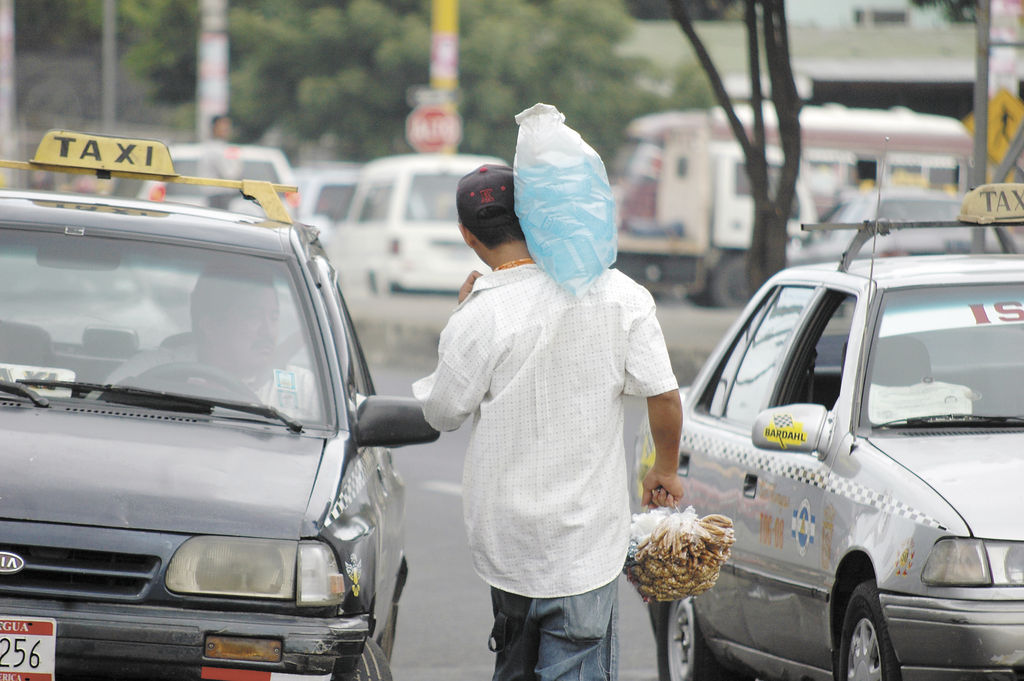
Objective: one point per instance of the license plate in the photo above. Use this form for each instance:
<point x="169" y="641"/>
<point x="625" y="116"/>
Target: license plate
<point x="27" y="648"/>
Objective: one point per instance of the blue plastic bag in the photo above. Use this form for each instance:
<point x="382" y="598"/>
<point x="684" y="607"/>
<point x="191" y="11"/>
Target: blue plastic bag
<point x="563" y="199"/>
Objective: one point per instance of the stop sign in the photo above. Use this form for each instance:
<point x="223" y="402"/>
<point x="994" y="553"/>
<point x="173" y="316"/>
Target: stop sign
<point x="431" y="128"/>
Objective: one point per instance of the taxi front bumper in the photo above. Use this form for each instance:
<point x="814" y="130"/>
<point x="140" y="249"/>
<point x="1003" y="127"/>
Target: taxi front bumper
<point x="99" y="640"/>
<point x="937" y="639"/>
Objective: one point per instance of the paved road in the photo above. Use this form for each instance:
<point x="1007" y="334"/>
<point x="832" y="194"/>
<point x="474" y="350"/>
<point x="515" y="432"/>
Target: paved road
<point x="444" y="620"/>
<point x="444" y="617"/>
<point x="402" y="330"/>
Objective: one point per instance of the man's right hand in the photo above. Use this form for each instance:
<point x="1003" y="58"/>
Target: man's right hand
<point x="467" y="286"/>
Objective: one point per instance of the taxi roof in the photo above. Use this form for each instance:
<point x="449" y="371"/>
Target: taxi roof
<point x="142" y="219"/>
<point x="916" y="270"/>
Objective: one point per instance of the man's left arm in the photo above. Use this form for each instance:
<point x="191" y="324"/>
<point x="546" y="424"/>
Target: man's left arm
<point x="662" y="484"/>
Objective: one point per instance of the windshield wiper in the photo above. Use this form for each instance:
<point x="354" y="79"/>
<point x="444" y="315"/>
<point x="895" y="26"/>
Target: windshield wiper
<point x="954" y="420"/>
<point x="143" y="397"/>
<point x="21" y="390"/>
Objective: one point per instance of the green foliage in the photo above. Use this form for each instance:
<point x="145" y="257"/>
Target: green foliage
<point x="57" y="24"/>
<point x="954" y="10"/>
<point x="349" y="68"/>
<point x="160" y="39"/>
<point x="561" y="52"/>
<point x="340" y="70"/>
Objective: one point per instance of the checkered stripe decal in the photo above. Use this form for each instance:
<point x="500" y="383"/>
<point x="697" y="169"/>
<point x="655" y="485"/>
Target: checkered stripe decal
<point x="750" y="458"/>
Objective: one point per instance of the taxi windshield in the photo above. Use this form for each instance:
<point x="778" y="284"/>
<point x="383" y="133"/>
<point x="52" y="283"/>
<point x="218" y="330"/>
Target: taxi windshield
<point x="190" y="321"/>
<point x="948" y="355"/>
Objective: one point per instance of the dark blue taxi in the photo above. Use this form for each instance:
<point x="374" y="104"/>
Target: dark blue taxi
<point x="195" y="480"/>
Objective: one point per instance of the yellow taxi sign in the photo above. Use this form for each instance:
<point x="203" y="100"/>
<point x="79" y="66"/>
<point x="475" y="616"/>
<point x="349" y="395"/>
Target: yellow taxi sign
<point x="76" y="151"/>
<point x="65" y="151"/>
<point x="993" y="204"/>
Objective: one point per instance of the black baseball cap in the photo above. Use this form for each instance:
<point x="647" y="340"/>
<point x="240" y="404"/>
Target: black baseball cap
<point x="485" y="197"/>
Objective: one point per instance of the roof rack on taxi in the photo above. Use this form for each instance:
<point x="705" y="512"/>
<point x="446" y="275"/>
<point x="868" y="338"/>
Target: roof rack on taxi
<point x="66" y="151"/>
<point x="995" y="205"/>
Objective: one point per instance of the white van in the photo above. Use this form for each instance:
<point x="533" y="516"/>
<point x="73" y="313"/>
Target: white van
<point x="402" y="233"/>
<point x="256" y="162"/>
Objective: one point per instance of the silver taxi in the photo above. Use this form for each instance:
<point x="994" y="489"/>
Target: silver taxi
<point x="863" y="426"/>
<point x="196" y="478"/>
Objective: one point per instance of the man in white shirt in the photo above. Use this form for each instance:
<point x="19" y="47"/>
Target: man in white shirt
<point x="543" y="374"/>
<point x="220" y="159"/>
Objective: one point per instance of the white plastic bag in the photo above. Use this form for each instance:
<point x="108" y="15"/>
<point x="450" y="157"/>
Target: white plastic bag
<point x="563" y="199"/>
<point x="674" y="554"/>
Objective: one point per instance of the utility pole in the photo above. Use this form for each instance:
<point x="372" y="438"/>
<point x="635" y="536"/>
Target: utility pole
<point x="8" y="131"/>
<point x="444" y="60"/>
<point x="979" y="174"/>
<point x="109" y="86"/>
<point x="212" y="69"/>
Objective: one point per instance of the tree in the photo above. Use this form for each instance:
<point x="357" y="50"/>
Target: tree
<point x="338" y="72"/>
<point x="342" y="71"/>
<point x="700" y="10"/>
<point x="955" y="10"/>
<point x="562" y="52"/>
<point x="767" y="37"/>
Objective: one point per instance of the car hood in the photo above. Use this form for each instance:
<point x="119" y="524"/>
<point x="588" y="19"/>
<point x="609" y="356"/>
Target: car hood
<point x="111" y="468"/>
<point x="979" y="473"/>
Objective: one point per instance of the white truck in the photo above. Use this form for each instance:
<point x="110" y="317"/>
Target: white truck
<point x="685" y="212"/>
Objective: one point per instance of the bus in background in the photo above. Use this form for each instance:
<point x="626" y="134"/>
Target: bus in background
<point x="684" y="206"/>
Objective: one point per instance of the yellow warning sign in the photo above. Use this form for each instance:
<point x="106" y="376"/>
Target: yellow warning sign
<point x="1005" y="114"/>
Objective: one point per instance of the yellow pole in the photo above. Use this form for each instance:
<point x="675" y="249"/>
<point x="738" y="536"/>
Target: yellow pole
<point x="444" y="54"/>
<point x="444" y="57"/>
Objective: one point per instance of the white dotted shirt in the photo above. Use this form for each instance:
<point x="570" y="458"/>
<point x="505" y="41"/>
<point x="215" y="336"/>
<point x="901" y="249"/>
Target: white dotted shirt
<point x="543" y="374"/>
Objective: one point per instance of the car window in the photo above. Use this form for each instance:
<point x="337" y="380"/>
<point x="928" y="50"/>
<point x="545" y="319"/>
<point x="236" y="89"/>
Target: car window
<point x="431" y="197"/>
<point x="264" y="171"/>
<point x="815" y="373"/>
<point x="104" y="310"/>
<point x="376" y="203"/>
<point x="188" y="167"/>
<point x="252" y="169"/>
<point x="947" y="350"/>
<point x="333" y="200"/>
<point x="749" y="390"/>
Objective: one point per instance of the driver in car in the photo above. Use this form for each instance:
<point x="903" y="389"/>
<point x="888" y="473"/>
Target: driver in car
<point x="231" y="350"/>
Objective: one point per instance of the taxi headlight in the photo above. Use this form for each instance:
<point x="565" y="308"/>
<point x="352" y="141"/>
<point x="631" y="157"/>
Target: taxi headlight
<point x="231" y="566"/>
<point x="957" y="562"/>
<point x="1007" y="561"/>
<point x="320" y="583"/>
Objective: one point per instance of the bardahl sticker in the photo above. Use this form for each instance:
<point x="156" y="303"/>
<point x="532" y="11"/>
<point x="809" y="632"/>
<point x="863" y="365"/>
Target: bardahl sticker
<point x="785" y="430"/>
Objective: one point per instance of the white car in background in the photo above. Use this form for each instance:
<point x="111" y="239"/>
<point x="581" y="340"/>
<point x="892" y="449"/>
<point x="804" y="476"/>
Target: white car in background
<point x="402" y="229"/>
<point x="325" y="195"/>
<point x="257" y="163"/>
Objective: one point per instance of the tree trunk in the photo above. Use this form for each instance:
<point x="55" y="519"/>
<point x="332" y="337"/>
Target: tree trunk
<point x="773" y="201"/>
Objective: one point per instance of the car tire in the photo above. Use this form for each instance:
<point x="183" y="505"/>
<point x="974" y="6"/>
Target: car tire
<point x="373" y="664"/>
<point x="683" y="654"/>
<point x="729" y="285"/>
<point x="865" y="650"/>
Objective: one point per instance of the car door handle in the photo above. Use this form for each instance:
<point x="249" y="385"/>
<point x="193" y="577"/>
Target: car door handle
<point x="750" y="486"/>
<point x="684" y="464"/>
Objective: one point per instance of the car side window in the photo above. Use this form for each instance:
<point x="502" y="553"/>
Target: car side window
<point x="375" y="205"/>
<point x="753" y="379"/>
<point x="359" y="375"/>
<point x="815" y="370"/>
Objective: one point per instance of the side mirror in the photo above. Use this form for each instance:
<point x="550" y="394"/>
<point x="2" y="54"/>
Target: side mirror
<point x="791" y="428"/>
<point x="391" y="422"/>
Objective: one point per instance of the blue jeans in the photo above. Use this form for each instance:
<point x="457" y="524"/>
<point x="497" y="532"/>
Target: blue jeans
<point x="549" y="639"/>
